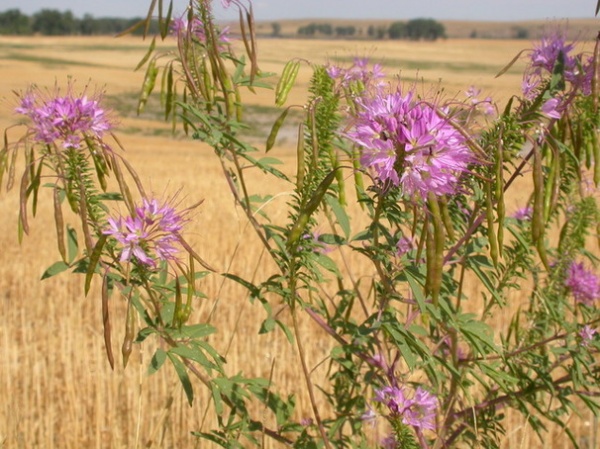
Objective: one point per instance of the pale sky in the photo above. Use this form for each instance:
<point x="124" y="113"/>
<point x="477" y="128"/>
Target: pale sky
<point x="490" y="10"/>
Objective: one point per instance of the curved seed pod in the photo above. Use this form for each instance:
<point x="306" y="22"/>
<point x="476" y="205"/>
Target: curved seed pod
<point x="106" y="322"/>
<point x="127" y="346"/>
<point x="596" y="150"/>
<point x="537" y="219"/>
<point x="60" y="224"/>
<point x="489" y="212"/>
<point x="148" y="85"/>
<point x="275" y="130"/>
<point x="448" y="225"/>
<point x="500" y="206"/>
<point x="552" y="187"/>
<point x="435" y="270"/>
<point x="177" y="311"/>
<point x="300" y="158"/>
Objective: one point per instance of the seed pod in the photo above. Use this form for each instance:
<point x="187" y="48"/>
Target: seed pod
<point x="500" y="206"/>
<point x="275" y="130"/>
<point x="148" y="85"/>
<point x="106" y="322"/>
<point x="435" y="269"/>
<point x="489" y="212"/>
<point x="127" y="346"/>
<point x="60" y="224"/>
<point x="300" y="158"/>
<point x="286" y="82"/>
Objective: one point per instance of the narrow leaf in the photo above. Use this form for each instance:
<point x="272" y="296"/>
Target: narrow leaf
<point x="183" y="377"/>
<point x="54" y="269"/>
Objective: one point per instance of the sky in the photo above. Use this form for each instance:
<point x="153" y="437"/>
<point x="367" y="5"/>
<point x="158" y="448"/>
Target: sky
<point x="489" y="10"/>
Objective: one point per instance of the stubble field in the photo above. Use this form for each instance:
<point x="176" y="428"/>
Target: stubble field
<point x="56" y="387"/>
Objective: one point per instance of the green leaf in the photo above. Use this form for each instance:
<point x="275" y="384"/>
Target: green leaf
<point x="72" y="245"/>
<point x="157" y="361"/>
<point x="194" y="354"/>
<point x="327" y="263"/>
<point x="267" y="326"/>
<point x="183" y="377"/>
<point x="340" y="214"/>
<point x="54" y="269"/>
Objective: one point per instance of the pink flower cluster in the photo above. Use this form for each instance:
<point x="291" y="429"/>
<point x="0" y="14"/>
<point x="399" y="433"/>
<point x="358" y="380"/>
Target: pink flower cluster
<point x="68" y="119"/>
<point x="578" y="71"/>
<point x="180" y="27"/>
<point x="584" y="285"/>
<point x="150" y="234"/>
<point x="359" y="77"/>
<point x="409" y="144"/>
<point x="418" y="411"/>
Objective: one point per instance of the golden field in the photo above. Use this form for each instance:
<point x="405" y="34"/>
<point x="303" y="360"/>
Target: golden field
<point x="57" y="388"/>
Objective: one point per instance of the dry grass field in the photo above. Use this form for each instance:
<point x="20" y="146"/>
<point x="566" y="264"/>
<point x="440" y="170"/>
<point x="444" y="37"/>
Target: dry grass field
<point x="56" y="387"/>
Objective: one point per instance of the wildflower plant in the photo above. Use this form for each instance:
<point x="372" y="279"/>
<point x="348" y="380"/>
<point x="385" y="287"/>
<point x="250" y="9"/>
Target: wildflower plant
<point x="416" y="352"/>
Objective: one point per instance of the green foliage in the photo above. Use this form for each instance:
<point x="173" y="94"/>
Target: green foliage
<point x="420" y="319"/>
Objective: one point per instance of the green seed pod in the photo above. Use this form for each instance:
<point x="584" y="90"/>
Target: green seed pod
<point x="286" y="82"/>
<point x="127" y="346"/>
<point x="489" y="213"/>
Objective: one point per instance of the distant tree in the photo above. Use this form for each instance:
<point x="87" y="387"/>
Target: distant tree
<point x="13" y="21"/>
<point x="276" y="29"/>
<point x="325" y="28"/>
<point x="307" y="30"/>
<point x="89" y="26"/>
<point x="397" y="30"/>
<point x="314" y="28"/>
<point x="345" y="31"/>
<point x="381" y="32"/>
<point x="371" y="31"/>
<point x="424" y="29"/>
<point x="520" y="32"/>
<point x="52" y="22"/>
<point x="473" y="34"/>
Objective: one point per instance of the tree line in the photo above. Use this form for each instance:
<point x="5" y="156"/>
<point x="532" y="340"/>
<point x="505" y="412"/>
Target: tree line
<point x="52" y="22"/>
<point x="415" y="29"/>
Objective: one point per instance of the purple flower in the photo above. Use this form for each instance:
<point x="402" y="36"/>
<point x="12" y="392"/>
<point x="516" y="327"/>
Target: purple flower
<point x="409" y="144"/>
<point x="551" y="107"/>
<point x="404" y="245"/>
<point x="151" y="234"/>
<point x="584" y="285"/>
<point x="523" y="213"/>
<point x="68" y="119"/>
<point x="587" y="334"/>
<point x="389" y="442"/>
<point x="181" y="27"/>
<point x="419" y="411"/>
<point x="546" y="55"/>
<point x="358" y="78"/>
<point x="422" y="412"/>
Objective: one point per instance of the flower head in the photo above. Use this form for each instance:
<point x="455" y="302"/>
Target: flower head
<point x="411" y="144"/>
<point x="584" y="285"/>
<point x="587" y="334"/>
<point x="68" y="119"/>
<point x="418" y="411"/>
<point x="150" y="234"/>
<point x="523" y="214"/>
